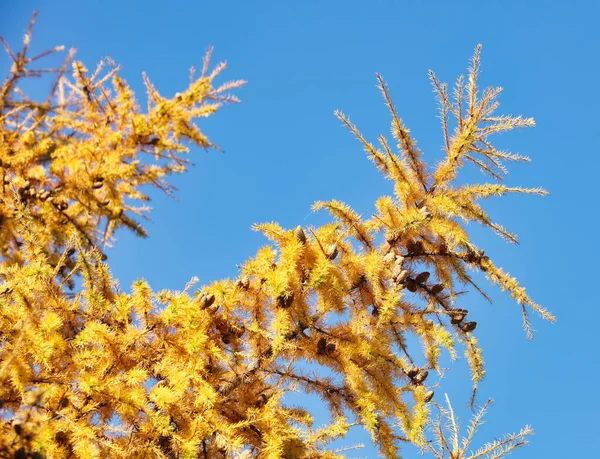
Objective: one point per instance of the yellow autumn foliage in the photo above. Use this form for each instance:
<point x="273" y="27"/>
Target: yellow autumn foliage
<point x="95" y="371"/>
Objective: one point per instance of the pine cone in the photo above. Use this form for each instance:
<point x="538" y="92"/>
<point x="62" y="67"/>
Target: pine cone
<point x="412" y="372"/>
<point x="425" y="212"/>
<point x="422" y="278"/>
<point x="321" y="346"/>
<point x="300" y="234"/>
<point x="245" y="282"/>
<point x="457" y="318"/>
<point x="421" y="376"/>
<point x="389" y="258"/>
<point x="206" y="300"/>
<point x="468" y="327"/>
<point x="436" y="289"/>
<point x="285" y="301"/>
<point x="332" y="252"/>
<point x="261" y="401"/>
<point x="291" y="335"/>
<point x="396" y="271"/>
<point x="402" y="276"/>
<point x="61" y="438"/>
<point x="98" y="183"/>
<point x="63" y="403"/>
<point x="268" y="353"/>
<point x="414" y="248"/>
<point x="411" y="285"/>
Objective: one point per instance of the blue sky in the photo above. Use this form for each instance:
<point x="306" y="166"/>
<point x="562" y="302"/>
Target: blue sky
<point x="284" y="150"/>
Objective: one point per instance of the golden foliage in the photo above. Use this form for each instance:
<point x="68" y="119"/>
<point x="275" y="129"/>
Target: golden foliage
<point x="105" y="373"/>
<point x="446" y="431"/>
<point x="78" y="159"/>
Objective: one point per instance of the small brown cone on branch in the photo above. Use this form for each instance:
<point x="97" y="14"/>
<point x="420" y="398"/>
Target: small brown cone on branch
<point x="244" y="282"/>
<point x="468" y="327"/>
<point x="411" y="285"/>
<point x="421" y="376"/>
<point x="291" y="335"/>
<point x="321" y="346"/>
<point x="332" y="252"/>
<point x="422" y="277"/>
<point x="389" y="258"/>
<point x="285" y="301"/>
<point x="401" y="277"/>
<point x="206" y="300"/>
<point x="210" y="299"/>
<point x="412" y="372"/>
<point x="415" y="248"/>
<point x="60" y="437"/>
<point x="437" y="288"/>
<point x="425" y="212"/>
<point x="300" y="234"/>
<point x="457" y="318"/>
<point x="261" y="401"/>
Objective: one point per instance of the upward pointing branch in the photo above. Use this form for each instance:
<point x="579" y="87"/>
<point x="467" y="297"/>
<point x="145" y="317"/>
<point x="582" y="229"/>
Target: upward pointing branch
<point x="406" y="144"/>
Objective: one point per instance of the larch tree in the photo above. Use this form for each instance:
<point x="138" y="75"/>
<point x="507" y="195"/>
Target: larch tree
<point x="88" y="370"/>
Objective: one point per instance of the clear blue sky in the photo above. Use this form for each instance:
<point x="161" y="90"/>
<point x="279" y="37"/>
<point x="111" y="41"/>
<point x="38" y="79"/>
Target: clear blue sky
<point x="284" y="150"/>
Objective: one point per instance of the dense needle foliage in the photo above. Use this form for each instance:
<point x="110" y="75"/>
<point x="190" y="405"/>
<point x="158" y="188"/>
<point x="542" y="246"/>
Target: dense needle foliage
<point x="93" y="371"/>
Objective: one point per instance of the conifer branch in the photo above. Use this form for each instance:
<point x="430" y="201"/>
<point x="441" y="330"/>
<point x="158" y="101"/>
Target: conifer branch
<point x="178" y="373"/>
